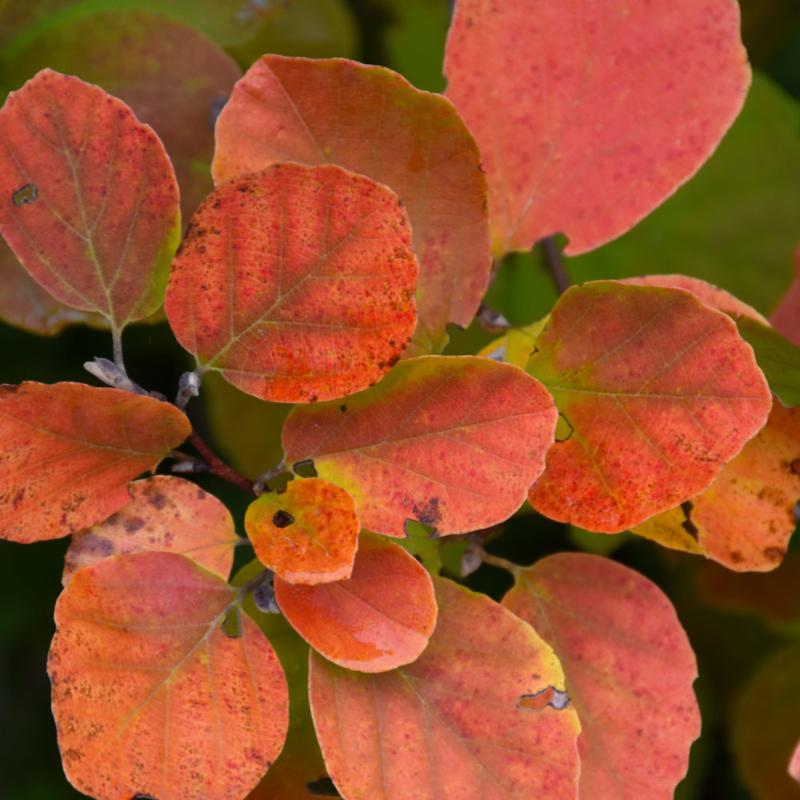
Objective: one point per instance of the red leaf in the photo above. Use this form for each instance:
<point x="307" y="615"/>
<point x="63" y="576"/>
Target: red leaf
<point x="629" y="669"/>
<point x="379" y="619"/>
<point x="296" y="283"/>
<point x="786" y="317"/>
<point x="451" y="725"/>
<point x="91" y="201"/>
<point x="69" y="451"/>
<point x="165" y="514"/>
<point x="371" y="120"/>
<point x="794" y="765"/>
<point x="307" y="534"/>
<point x="590" y="115"/>
<point x="452" y="442"/>
<point x="152" y="694"/>
<point x="658" y="392"/>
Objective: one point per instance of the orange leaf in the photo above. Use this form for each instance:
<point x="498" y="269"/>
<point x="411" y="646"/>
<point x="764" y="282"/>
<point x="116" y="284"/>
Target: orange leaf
<point x="165" y="514"/>
<point x="371" y="120"/>
<point x="629" y="669"/>
<point x="451" y="441"/>
<point x="296" y="283"/>
<point x="152" y="696"/>
<point x="451" y="725"/>
<point x="379" y="619"/>
<point x="657" y="391"/>
<point x="593" y="135"/>
<point x="745" y="519"/>
<point x="307" y="534"/>
<point x="69" y="450"/>
<point x="91" y="201"/>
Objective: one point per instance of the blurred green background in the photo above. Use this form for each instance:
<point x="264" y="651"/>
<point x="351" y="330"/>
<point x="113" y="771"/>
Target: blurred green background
<point x="736" y="224"/>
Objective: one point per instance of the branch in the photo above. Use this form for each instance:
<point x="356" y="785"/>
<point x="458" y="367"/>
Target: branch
<point x="218" y="466"/>
<point x="551" y="256"/>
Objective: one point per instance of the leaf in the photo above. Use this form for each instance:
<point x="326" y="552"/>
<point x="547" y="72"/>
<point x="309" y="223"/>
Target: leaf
<point x="165" y="514"/>
<point x="370" y="120"/>
<point x="451" y="441"/>
<point x="786" y="317"/>
<point x="380" y="618"/>
<point x="306" y="534"/>
<point x="296" y="283"/>
<point x="516" y="345"/>
<point x="745" y="519"/>
<point x="69" y="451"/>
<point x="794" y="764"/>
<point x="588" y="142"/>
<point x="91" y="206"/>
<point x="736" y="213"/>
<point x="629" y="669"/>
<point x="777" y="356"/>
<point x="657" y="393"/>
<point x="151" y="695"/>
<point x="451" y="725"/>
<point x="765" y="726"/>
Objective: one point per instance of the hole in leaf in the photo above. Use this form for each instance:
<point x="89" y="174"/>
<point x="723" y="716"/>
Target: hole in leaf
<point x="305" y="468"/>
<point x="25" y="195"/>
<point x="564" y="428"/>
<point x="282" y="519"/>
<point x="549" y="696"/>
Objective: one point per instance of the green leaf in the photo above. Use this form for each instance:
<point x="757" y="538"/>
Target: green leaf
<point x="778" y="358"/>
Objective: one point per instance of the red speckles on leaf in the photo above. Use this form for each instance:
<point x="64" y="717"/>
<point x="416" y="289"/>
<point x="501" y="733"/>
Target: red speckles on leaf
<point x="659" y="391"/>
<point x="88" y="197"/>
<point x="165" y="514"/>
<point x="371" y="120"/>
<point x="151" y="695"/>
<point x="629" y="670"/>
<point x="450" y="441"/>
<point x="296" y="283"/>
<point x="449" y="725"/>
<point x="378" y="619"/>
<point x="307" y="534"/>
<point x="607" y="107"/>
<point x="69" y="451"/>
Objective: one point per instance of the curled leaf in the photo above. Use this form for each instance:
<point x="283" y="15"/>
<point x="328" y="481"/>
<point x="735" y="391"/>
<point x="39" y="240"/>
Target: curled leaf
<point x="450" y="441"/>
<point x="657" y="393"/>
<point x="165" y="514"/>
<point x="296" y="283"/>
<point x="307" y="534"/>
<point x="152" y="695"/>
<point x="378" y="619"/>
<point x="629" y="671"/>
<point x="455" y="715"/>
<point x="69" y="451"/>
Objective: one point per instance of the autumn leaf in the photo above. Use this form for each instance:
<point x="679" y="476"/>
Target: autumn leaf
<point x="453" y="724"/>
<point x="69" y="451"/>
<point x="588" y="142"/>
<point x="371" y="120"/>
<point x="451" y="441"/>
<point x="165" y="514"/>
<point x="629" y="669"/>
<point x="306" y="534"/>
<point x="794" y="764"/>
<point x="745" y="519"/>
<point x="765" y="726"/>
<point x="153" y="695"/>
<point x="91" y="201"/>
<point x="656" y="391"/>
<point x="786" y="317"/>
<point x="380" y="618"/>
<point x="296" y="283"/>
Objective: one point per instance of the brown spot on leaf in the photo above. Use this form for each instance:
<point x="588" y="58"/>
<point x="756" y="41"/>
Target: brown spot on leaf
<point x="794" y="467"/>
<point x="430" y="513"/>
<point x="549" y="696"/>
<point x="25" y="194"/>
<point x="133" y="524"/>
<point x="774" y="553"/>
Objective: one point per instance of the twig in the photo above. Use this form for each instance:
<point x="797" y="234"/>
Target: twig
<point x="218" y="466"/>
<point x="188" y="387"/>
<point x="497" y="561"/>
<point x="261" y="483"/>
<point x="116" y="342"/>
<point x="555" y="264"/>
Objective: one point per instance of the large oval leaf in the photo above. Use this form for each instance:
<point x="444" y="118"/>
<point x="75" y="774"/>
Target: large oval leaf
<point x="90" y="198"/>
<point x="451" y="441"/>
<point x="380" y="618"/>
<point x="152" y="696"/>
<point x="453" y="725"/>
<point x="306" y="534"/>
<point x="297" y="283"/>
<point x="589" y="141"/>
<point x="69" y="451"/>
<point x="657" y="393"/>
<point x="629" y="669"/>
<point x="745" y="519"/>
<point x="165" y="514"/>
<point x="371" y="120"/>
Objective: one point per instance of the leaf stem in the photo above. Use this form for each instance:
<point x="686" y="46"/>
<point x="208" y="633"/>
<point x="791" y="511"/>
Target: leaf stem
<point x="116" y="342"/>
<point x="497" y="561"/>
<point x="217" y="466"/>
<point x="554" y="263"/>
